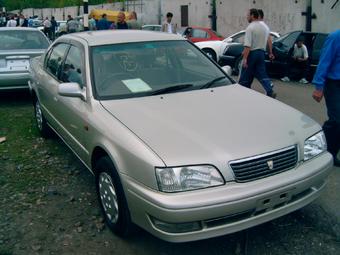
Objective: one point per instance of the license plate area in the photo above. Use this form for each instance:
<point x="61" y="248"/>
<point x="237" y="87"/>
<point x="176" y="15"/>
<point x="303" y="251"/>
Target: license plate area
<point x="273" y="202"/>
<point x="18" y="65"/>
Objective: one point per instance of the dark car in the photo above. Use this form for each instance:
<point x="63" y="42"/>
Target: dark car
<point x="283" y="50"/>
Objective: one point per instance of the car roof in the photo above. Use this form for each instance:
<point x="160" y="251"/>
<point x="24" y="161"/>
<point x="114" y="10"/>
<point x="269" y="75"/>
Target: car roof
<point x="18" y="29"/>
<point x="105" y="37"/>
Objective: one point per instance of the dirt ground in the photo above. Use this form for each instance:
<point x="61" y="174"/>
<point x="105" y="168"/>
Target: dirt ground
<point x="48" y="203"/>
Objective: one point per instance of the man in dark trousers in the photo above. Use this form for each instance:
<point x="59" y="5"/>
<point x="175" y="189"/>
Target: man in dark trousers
<point x="253" y="62"/>
<point x="327" y="83"/>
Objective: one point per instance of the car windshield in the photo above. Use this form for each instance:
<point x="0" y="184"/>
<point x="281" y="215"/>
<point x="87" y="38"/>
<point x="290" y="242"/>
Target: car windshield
<point x="149" y="68"/>
<point x="22" y="40"/>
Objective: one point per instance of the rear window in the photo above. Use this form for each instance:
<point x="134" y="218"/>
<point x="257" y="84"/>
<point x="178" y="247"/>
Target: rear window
<point x="22" y="40"/>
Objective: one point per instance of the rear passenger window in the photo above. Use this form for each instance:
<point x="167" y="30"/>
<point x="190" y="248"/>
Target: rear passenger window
<point x="55" y="59"/>
<point x="198" y="33"/>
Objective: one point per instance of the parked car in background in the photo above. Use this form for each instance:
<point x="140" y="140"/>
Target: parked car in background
<point x="200" y="34"/>
<point x="168" y="138"/>
<point x="17" y="47"/>
<point x="283" y="51"/>
<point x="215" y="49"/>
<point x="157" y="28"/>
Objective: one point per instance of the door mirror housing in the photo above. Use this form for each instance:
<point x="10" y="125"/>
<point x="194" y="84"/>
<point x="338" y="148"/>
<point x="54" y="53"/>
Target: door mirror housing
<point x="72" y="89"/>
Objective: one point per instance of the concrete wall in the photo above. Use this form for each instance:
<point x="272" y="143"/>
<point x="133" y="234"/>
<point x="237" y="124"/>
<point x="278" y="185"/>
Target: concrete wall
<point x="280" y="15"/>
<point x="327" y="19"/>
<point x="198" y="11"/>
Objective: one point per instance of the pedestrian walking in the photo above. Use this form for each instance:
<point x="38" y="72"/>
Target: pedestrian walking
<point x="327" y="84"/>
<point x="168" y="26"/>
<point x="133" y="22"/>
<point x="253" y="62"/>
<point x="121" y="23"/>
<point x="12" y="22"/>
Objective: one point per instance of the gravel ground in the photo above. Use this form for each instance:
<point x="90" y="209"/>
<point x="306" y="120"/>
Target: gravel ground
<point x="48" y="203"/>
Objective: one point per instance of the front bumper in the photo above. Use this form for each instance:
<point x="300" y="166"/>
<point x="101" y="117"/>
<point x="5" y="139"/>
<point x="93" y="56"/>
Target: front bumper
<point x="231" y="208"/>
<point x="14" y="80"/>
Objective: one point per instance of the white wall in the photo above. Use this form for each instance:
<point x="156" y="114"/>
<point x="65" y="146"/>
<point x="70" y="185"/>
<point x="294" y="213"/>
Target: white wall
<point x="198" y="11"/>
<point x="281" y="15"/>
<point x="327" y="19"/>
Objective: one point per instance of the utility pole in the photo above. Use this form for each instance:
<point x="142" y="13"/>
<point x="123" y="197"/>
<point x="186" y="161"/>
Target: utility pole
<point x="213" y="15"/>
<point x="86" y="15"/>
<point x="309" y="16"/>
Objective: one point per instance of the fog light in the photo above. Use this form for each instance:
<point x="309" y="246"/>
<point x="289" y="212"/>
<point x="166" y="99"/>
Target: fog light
<point x="177" y="227"/>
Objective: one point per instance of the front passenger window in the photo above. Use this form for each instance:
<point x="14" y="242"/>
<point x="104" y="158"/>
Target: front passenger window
<point x="55" y="59"/>
<point x="72" y="68"/>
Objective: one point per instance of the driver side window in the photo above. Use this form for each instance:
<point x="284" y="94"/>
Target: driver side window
<point x="55" y="59"/>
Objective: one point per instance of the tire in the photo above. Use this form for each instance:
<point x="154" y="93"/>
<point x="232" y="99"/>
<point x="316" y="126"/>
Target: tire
<point x="112" y="198"/>
<point x="44" y="129"/>
<point x="237" y="66"/>
<point x="210" y="53"/>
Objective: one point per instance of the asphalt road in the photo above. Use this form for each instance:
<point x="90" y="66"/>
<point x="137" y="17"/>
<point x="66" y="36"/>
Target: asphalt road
<point x="314" y="229"/>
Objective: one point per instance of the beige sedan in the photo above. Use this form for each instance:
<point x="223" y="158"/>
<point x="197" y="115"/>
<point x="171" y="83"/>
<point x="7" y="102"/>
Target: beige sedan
<point x="176" y="147"/>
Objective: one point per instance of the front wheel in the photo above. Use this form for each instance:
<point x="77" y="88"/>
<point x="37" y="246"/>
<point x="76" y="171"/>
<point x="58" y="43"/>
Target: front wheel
<point x="210" y="53"/>
<point x="42" y="125"/>
<point x="112" y="198"/>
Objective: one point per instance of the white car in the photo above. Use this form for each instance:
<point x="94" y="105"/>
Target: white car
<point x="214" y="49"/>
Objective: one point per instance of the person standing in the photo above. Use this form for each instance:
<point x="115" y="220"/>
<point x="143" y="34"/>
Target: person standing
<point x="92" y="23"/>
<point x="11" y="23"/>
<point x="72" y="25"/>
<point x="168" y="26"/>
<point x="327" y="84"/>
<point x="132" y="22"/>
<point x="253" y="62"/>
<point x="54" y="25"/>
<point x="298" y="63"/>
<point x="103" y="23"/>
<point x="121" y="23"/>
<point x="47" y="27"/>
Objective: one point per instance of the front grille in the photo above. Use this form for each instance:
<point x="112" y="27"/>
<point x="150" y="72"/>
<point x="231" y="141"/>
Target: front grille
<point x="264" y="165"/>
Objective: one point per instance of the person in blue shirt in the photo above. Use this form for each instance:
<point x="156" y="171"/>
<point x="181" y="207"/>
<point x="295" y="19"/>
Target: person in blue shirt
<point x="103" y="23"/>
<point x="327" y="84"/>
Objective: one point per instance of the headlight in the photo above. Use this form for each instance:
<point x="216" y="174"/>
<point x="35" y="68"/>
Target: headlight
<point x="315" y="145"/>
<point x="176" y="179"/>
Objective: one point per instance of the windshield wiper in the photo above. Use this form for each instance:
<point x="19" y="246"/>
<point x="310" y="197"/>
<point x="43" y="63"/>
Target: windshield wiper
<point x="210" y="83"/>
<point x="171" y="89"/>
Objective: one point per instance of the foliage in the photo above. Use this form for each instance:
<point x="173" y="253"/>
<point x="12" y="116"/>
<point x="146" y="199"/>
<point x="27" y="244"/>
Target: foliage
<point x="22" y="4"/>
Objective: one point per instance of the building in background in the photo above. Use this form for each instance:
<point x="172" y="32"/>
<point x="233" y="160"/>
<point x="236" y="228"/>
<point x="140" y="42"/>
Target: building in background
<point x="281" y="15"/>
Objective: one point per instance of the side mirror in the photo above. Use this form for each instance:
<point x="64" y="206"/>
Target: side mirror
<point x="227" y="70"/>
<point x="229" y="40"/>
<point x="278" y="44"/>
<point x="71" y="89"/>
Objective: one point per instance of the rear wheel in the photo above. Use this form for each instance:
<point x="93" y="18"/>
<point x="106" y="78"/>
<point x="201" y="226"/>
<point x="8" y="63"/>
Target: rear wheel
<point x="210" y="53"/>
<point x="112" y="198"/>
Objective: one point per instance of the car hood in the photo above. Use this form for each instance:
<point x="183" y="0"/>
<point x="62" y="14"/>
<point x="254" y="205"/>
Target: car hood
<point x="212" y="125"/>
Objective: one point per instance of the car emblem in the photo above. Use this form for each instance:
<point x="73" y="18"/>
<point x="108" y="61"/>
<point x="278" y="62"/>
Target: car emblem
<point x="270" y="164"/>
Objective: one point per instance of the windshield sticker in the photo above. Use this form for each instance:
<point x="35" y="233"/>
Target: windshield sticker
<point x="136" y="85"/>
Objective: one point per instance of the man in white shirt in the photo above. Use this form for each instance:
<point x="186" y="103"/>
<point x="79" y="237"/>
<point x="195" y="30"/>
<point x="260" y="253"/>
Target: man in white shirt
<point x="168" y="26"/>
<point x="299" y="62"/>
<point x="12" y="22"/>
<point x="253" y="62"/>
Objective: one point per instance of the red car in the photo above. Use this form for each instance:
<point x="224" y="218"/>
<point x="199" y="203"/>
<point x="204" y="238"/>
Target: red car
<point x="199" y="34"/>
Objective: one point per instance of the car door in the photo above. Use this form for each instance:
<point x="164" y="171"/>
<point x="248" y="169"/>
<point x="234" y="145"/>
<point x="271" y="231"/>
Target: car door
<point x="71" y="112"/>
<point x="282" y="50"/>
<point x="48" y="81"/>
<point x="198" y="35"/>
